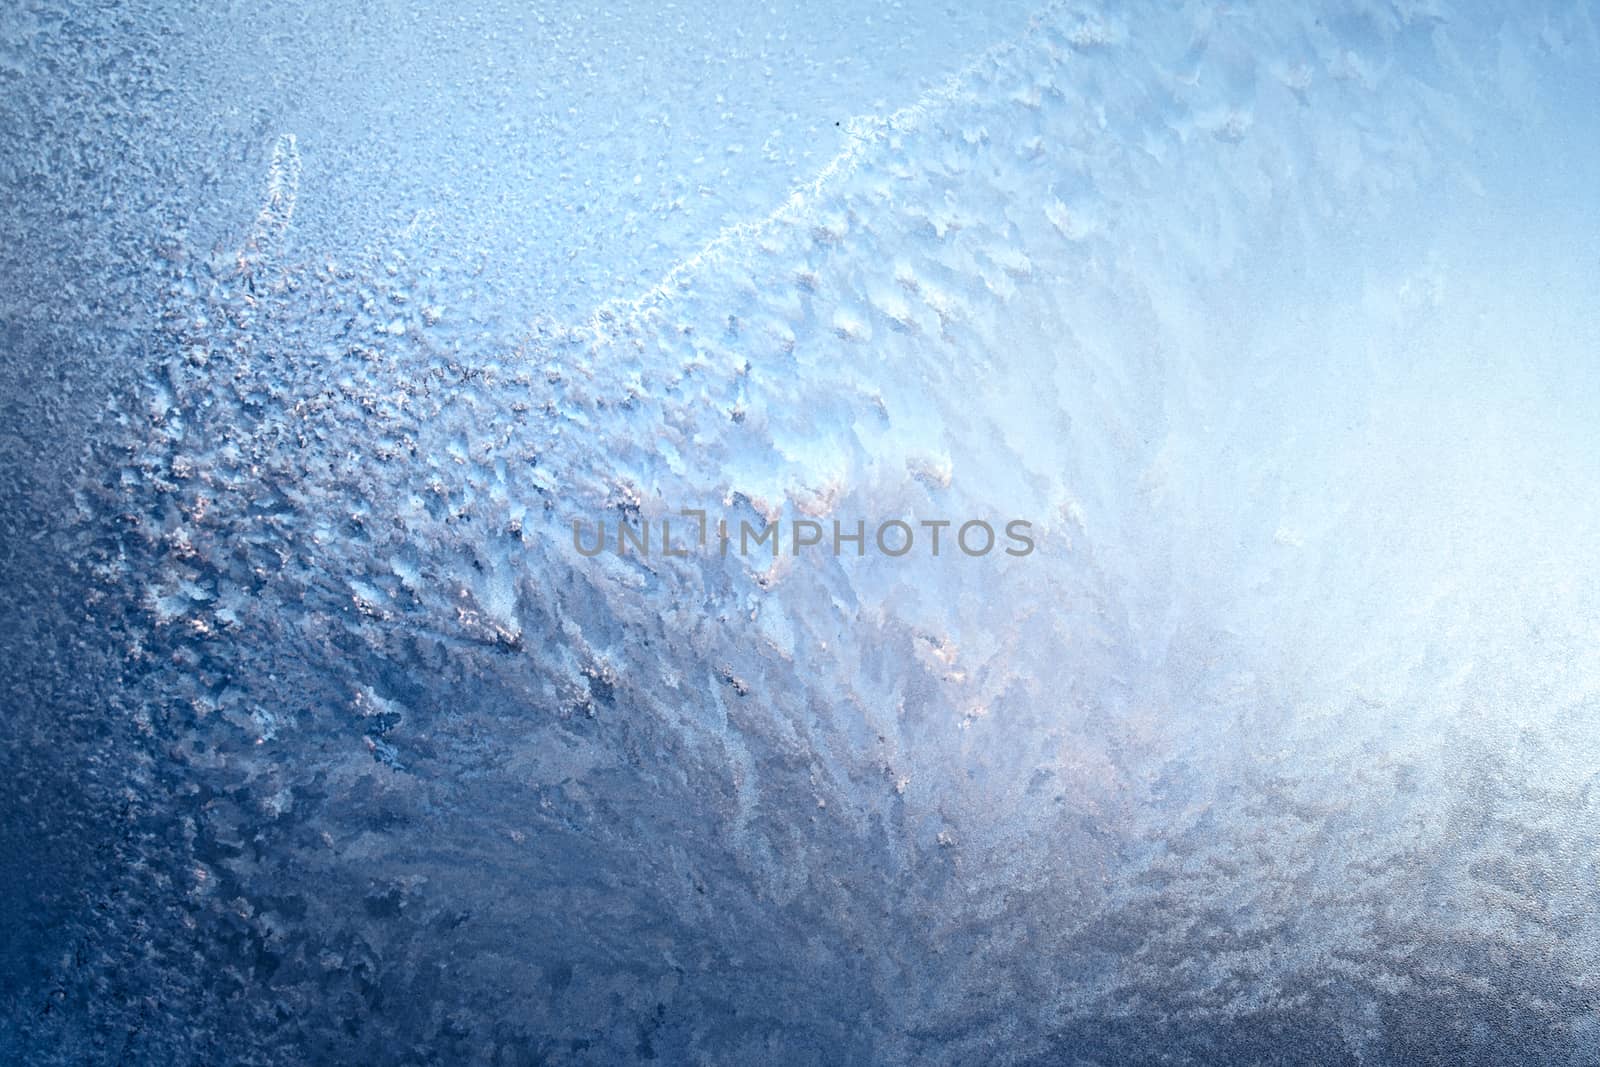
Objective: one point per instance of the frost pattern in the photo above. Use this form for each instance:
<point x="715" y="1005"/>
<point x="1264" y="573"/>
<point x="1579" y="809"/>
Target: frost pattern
<point x="1219" y="775"/>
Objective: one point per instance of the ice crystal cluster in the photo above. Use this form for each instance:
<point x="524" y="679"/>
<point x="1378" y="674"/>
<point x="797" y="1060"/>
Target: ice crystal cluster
<point x="323" y="744"/>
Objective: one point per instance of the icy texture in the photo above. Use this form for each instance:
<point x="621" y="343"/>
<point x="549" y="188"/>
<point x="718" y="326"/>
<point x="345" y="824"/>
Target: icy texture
<point x="1278" y="324"/>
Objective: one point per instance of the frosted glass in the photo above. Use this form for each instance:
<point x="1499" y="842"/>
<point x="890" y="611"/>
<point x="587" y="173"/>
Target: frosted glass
<point x="331" y="334"/>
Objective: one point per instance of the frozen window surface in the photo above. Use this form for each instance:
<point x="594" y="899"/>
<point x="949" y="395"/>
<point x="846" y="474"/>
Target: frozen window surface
<point x="1278" y="323"/>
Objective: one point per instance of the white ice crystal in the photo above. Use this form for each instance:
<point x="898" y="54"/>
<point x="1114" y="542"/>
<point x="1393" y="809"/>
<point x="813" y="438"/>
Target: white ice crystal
<point x="1281" y="740"/>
